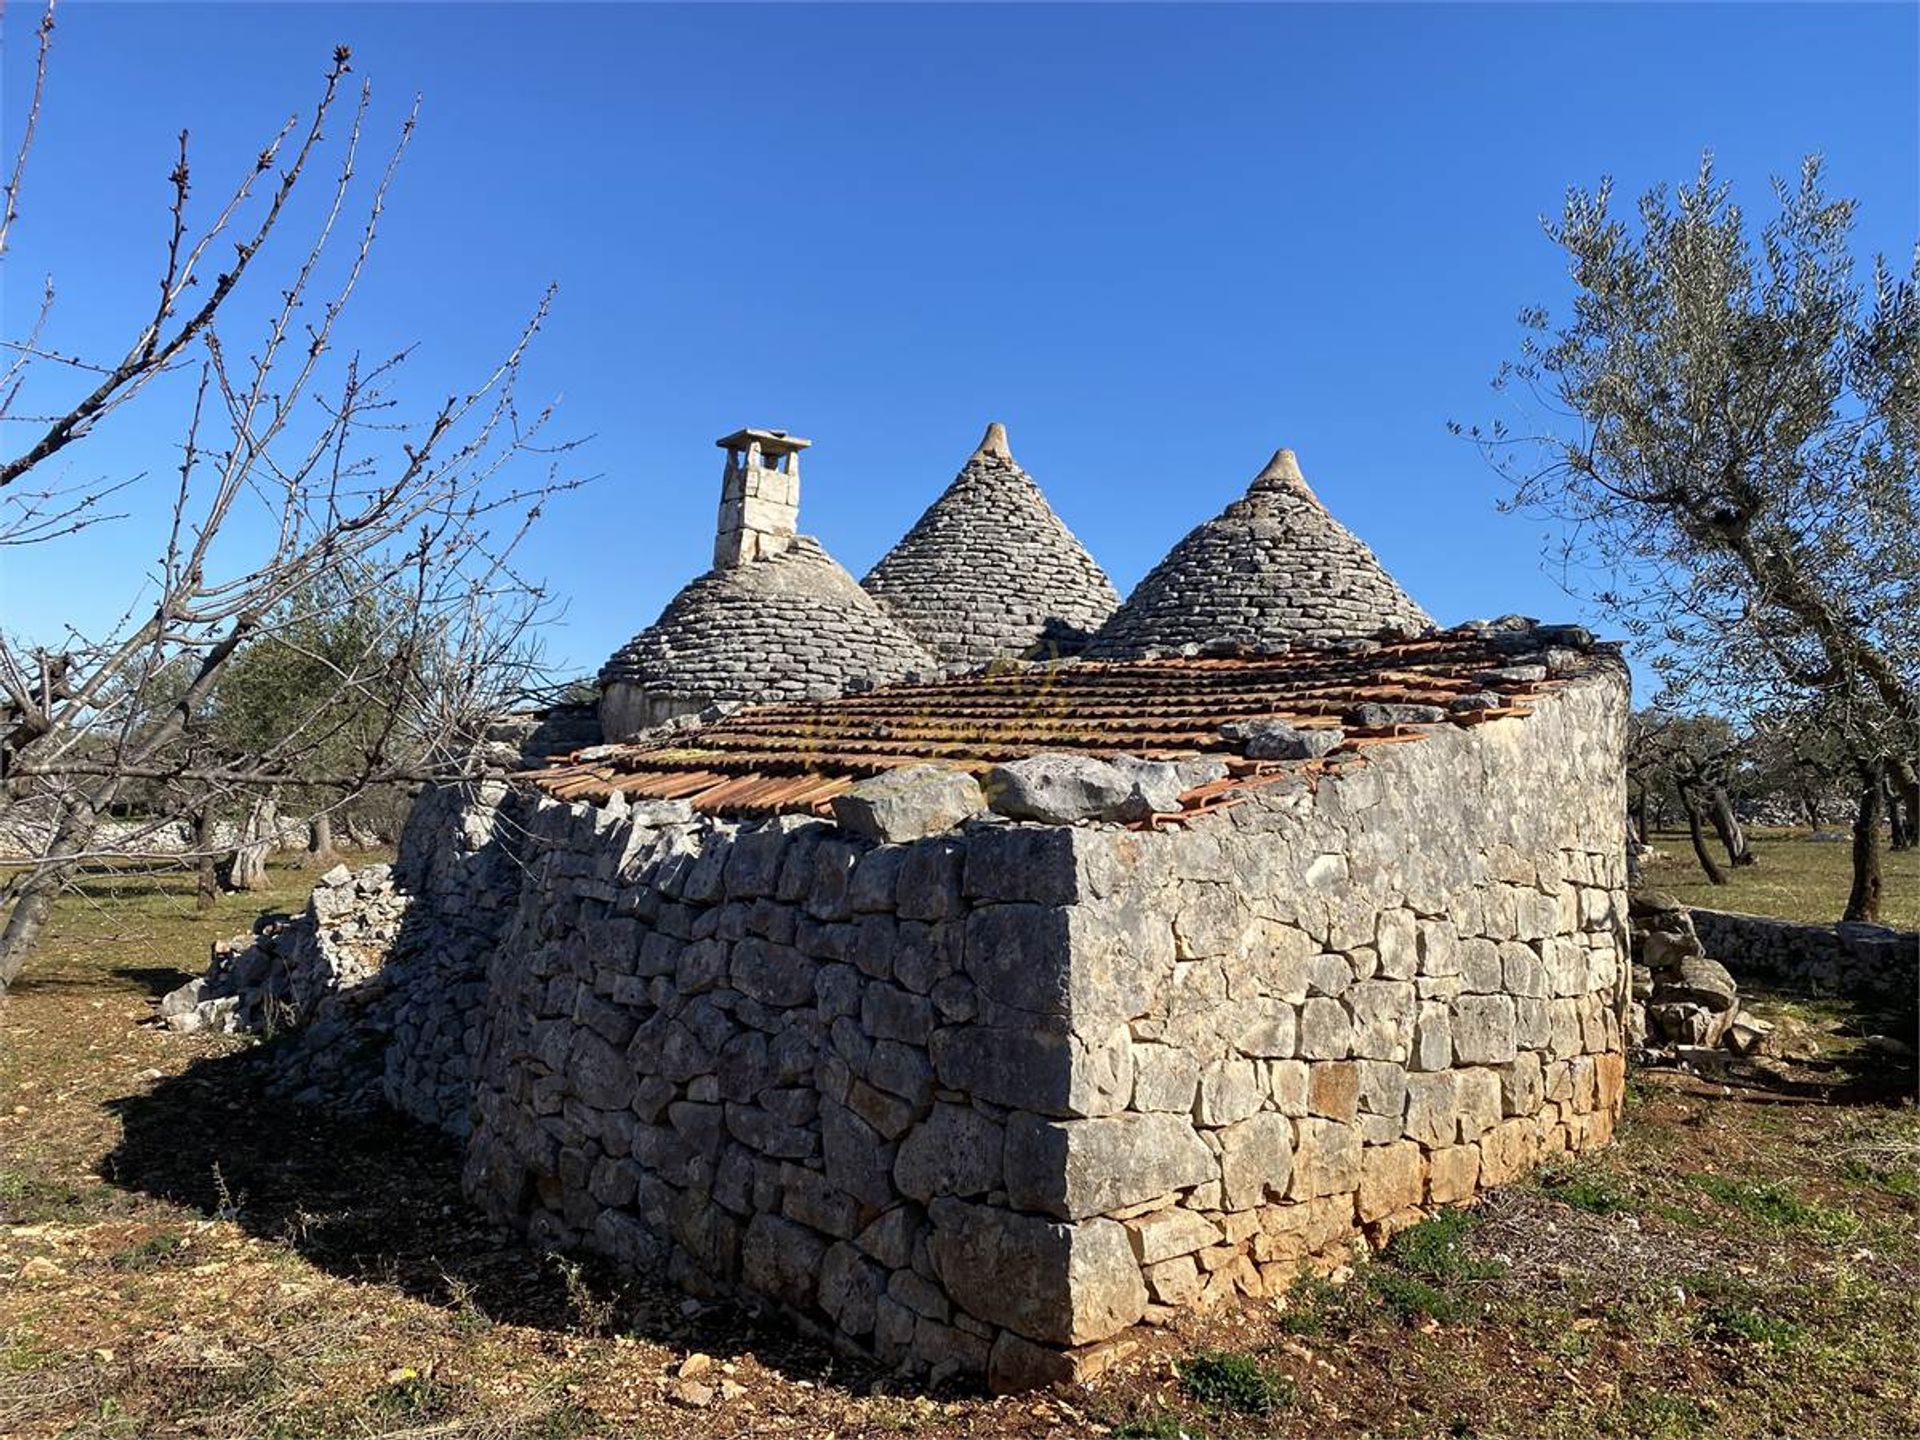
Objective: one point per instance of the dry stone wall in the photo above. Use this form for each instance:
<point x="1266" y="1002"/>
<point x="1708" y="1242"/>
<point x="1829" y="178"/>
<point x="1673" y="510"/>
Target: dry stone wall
<point x="979" y="1103"/>
<point x="1870" y="963"/>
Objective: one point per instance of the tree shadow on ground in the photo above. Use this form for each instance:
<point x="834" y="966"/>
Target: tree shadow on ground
<point x="1825" y="1051"/>
<point x="156" y="980"/>
<point x="375" y="1198"/>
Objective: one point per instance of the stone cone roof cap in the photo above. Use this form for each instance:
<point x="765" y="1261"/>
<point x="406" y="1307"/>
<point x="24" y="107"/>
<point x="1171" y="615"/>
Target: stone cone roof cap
<point x="990" y="571"/>
<point x="1273" y="568"/>
<point x="793" y="626"/>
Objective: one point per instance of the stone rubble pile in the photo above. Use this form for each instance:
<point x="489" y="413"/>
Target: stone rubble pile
<point x="278" y="977"/>
<point x="1682" y="1000"/>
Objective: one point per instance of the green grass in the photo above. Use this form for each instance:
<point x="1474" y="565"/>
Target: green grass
<point x="1156" y="1425"/>
<point x="1435" y="1250"/>
<point x="1776" y="1207"/>
<point x="1585" y="1187"/>
<point x="1793" y="877"/>
<point x="1226" y="1380"/>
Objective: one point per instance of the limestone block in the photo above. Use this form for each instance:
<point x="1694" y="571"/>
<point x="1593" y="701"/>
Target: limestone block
<point x="1452" y="1174"/>
<point x="1439" y="948"/>
<point x="1021" y="863"/>
<point x="1326" y="1031"/>
<point x="1017" y="955"/>
<point x="1522" y="970"/>
<point x="1522" y="1087"/>
<point x="1256" y="1160"/>
<point x="1509" y="1150"/>
<point x="1267" y="739"/>
<point x="1230" y="1090"/>
<point x="909" y="803"/>
<point x="776" y="975"/>
<point x="956" y="1150"/>
<point x="1170" y="1232"/>
<point x="1058" y="1284"/>
<point x="781" y="1259"/>
<point x="1396" y="941"/>
<point x="1165" y="1077"/>
<point x="850" y="1289"/>
<point x="1326" y="1160"/>
<point x="1174" y="1281"/>
<point x="1383" y="1089"/>
<point x="1383" y="1016"/>
<point x="1333" y="1090"/>
<point x="1532" y="1023"/>
<point x="1392" y="1178"/>
<point x="1478" y="1101"/>
<point x="1433" y="1101"/>
<point x="1481" y="971"/>
<point x="1328" y="974"/>
<point x="1058" y="789"/>
<point x="1077" y="1168"/>
<point x="1432" y="1036"/>
<point x="1040" y="1070"/>
<point x="1483" y="1030"/>
<point x="1289" y="1083"/>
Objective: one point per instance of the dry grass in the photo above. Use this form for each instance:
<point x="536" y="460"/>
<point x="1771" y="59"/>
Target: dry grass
<point x="180" y="1258"/>
<point x="1794" y="877"/>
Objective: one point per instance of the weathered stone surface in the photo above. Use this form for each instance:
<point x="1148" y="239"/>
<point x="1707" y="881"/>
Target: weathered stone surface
<point x="1274" y="567"/>
<point x="1058" y="789"/>
<point x="1277" y="740"/>
<point x="956" y="1150"/>
<point x="1326" y="1030"/>
<point x="1063" y="1284"/>
<point x="909" y="803"/>
<point x="1326" y="1159"/>
<point x="1076" y="1168"/>
<point x="1167" y="1233"/>
<point x="790" y="625"/>
<point x="1230" y="1090"/>
<point x="989" y="571"/>
<point x="1256" y="1161"/>
<point x="1392" y="1177"/>
<point x="1165" y="1077"/>
<point x="1483" y="1029"/>
<point x="781" y="1258"/>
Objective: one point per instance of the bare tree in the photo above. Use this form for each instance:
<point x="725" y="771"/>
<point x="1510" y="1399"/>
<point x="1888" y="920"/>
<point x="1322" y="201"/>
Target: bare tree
<point x="284" y="436"/>
<point x="1727" y="427"/>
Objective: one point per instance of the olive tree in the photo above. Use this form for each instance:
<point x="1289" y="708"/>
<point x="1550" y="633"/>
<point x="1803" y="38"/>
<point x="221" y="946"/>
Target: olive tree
<point x="1725" y="422"/>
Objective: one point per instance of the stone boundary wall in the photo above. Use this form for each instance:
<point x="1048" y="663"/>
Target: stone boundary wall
<point x="1865" y="962"/>
<point x="980" y="1103"/>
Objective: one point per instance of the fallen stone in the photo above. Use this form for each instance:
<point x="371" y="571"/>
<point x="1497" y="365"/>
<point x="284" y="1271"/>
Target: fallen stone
<point x="1058" y="789"/>
<point x="909" y="803"/>
<point x="1277" y="740"/>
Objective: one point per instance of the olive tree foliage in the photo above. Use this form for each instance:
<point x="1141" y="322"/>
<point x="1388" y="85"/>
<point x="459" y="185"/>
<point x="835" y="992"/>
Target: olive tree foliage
<point x="301" y="500"/>
<point x="1725" y="424"/>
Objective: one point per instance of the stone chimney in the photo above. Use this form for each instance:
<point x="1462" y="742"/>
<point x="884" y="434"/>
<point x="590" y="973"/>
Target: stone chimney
<point x="759" y="496"/>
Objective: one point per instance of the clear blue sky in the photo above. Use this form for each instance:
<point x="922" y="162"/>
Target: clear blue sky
<point x="1157" y="242"/>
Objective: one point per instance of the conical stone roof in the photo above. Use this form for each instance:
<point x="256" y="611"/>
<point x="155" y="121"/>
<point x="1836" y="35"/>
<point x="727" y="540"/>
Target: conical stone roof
<point x="1273" y="568"/>
<point x="791" y="626"/>
<point x="991" y="571"/>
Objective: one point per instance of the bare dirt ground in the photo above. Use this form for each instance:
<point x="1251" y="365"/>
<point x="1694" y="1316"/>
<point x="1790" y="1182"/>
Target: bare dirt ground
<point x="179" y="1257"/>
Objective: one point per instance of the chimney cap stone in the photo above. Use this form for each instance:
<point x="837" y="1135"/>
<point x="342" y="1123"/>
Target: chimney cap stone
<point x="771" y="442"/>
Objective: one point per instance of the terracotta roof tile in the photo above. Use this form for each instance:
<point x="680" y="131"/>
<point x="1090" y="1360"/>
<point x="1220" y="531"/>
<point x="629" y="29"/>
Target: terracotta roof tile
<point x="796" y="756"/>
